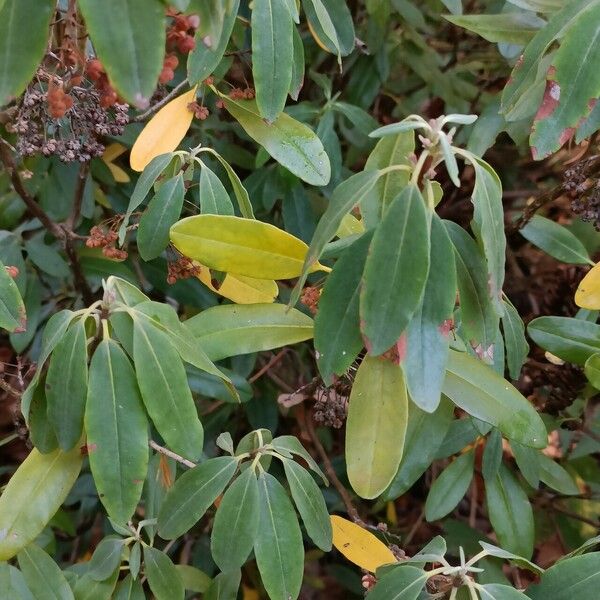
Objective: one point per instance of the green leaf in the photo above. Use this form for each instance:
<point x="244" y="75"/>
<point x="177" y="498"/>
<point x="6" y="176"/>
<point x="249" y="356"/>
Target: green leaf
<point x="570" y="339"/>
<point x="132" y="28"/>
<point x="163" y="578"/>
<point x="43" y="576"/>
<point x="481" y="392"/>
<point x="192" y="494"/>
<point x="46" y="258"/>
<point x="498" y="591"/>
<point x="216" y="17"/>
<point x="556" y="477"/>
<point x="376" y="426"/>
<point x="278" y="547"/>
<point x="193" y="579"/>
<point x="235" y="526"/>
<point x="556" y="240"/>
<point x="106" y="558"/>
<point x="395" y="271"/>
<point x="87" y="589"/>
<point x="272" y="55"/>
<point x="390" y="150"/>
<point x="427" y="338"/>
<point x="337" y="323"/>
<point x="12" y="584"/>
<point x="33" y="495"/>
<point x="528" y="461"/>
<point x="492" y="455"/>
<point x="12" y="309"/>
<point x="510" y="513"/>
<point x="21" y="54"/>
<point x="511" y="27"/>
<point x="163" y="210"/>
<point x="574" y="82"/>
<point x="41" y="431"/>
<point x="117" y="431"/>
<point x="514" y="559"/>
<point x="67" y="386"/>
<point x="291" y="143"/>
<point x="331" y="21"/>
<point x="224" y="586"/>
<point x="129" y="589"/>
<point x="290" y="444"/>
<point x="450" y="487"/>
<point x="592" y="370"/>
<point x="297" y="80"/>
<point x="233" y="329"/>
<point x="163" y="384"/>
<point x="400" y="583"/>
<point x="214" y="198"/>
<point x="425" y="433"/>
<point x="577" y="577"/>
<point x="310" y="504"/>
<point x="516" y="344"/>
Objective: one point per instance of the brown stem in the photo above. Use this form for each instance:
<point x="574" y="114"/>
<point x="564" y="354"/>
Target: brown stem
<point x="148" y="113"/>
<point x="171" y="454"/>
<point x="270" y="364"/>
<point x="80" y="281"/>
<point x="78" y="196"/>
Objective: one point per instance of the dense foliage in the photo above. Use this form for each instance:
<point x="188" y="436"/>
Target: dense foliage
<point x="298" y="300"/>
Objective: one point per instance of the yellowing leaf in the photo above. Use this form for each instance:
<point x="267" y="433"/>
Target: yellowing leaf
<point x="241" y="246"/>
<point x="350" y="225"/>
<point x="588" y="292"/>
<point x="163" y="132"/>
<point x="359" y="546"/>
<point x="242" y="290"/>
<point x="112" y="152"/>
<point x="317" y="39"/>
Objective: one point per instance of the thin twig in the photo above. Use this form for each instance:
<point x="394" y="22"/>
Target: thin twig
<point x="148" y="113"/>
<point x="270" y="364"/>
<point x="575" y="516"/>
<point x="84" y="169"/>
<point x="171" y="454"/>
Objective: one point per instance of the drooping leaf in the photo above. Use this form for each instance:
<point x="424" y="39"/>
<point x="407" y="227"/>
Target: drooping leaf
<point x="528" y="461"/>
<point x="117" y="431"/>
<point x="291" y="143"/>
<point x="163" y="210"/>
<point x="43" y="576"/>
<point x="492" y="455"/>
<point x="556" y="477"/>
<point x="331" y="22"/>
<point x="297" y="80"/>
<point x="376" y="426"/>
<point x="450" y="487"/>
<point x="192" y="494"/>
<point x="241" y="246"/>
<point x="511" y="27"/>
<point x="214" y="198"/>
<point x="20" y="54"/>
<point x="516" y="344"/>
<point x="236" y="526"/>
<point x="272" y="55"/>
<point x="588" y="291"/>
<point x="33" y="495"/>
<point x="395" y="271"/>
<point x="132" y="28"/>
<point x="163" y="133"/>
<point x="278" y="546"/>
<point x="480" y="391"/>
<point x="163" y="578"/>
<point x="360" y="546"/>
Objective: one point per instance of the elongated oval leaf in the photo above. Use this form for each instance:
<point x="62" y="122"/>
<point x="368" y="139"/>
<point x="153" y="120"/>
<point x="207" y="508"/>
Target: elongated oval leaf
<point x="588" y="291"/>
<point x="480" y="391"/>
<point x="289" y="142"/>
<point x="376" y="426"/>
<point x="34" y="493"/>
<point x="106" y="558"/>
<point x="400" y="583"/>
<point x="163" y="578"/>
<point x="12" y="309"/>
<point x="331" y="23"/>
<point x="117" y="431"/>
<point x="278" y="545"/>
<point x="395" y="271"/>
<point x="214" y="198"/>
<point x="556" y="477"/>
<point x="241" y="246"/>
<point x="235" y="526"/>
<point x="132" y="28"/>
<point x="511" y="27"/>
<point x="43" y="576"/>
<point x="516" y="344"/>
<point x="192" y="494"/>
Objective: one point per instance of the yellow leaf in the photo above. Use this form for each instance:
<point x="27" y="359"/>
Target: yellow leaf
<point x="241" y="246"/>
<point x="588" y="292"/>
<point x="350" y="225"/>
<point x="242" y="290"/>
<point x="359" y="546"/>
<point x="119" y="175"/>
<point x="112" y="152"/>
<point x="164" y="131"/>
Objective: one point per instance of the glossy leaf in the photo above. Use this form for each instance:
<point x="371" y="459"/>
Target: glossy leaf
<point x="450" y="487"/>
<point x="235" y="526"/>
<point x="360" y="546"/>
<point x="33" y="495"/>
<point x="395" y="271"/>
<point x="20" y="54"/>
<point x="241" y="246"/>
<point x="289" y="142"/>
<point x="163" y="385"/>
<point x="43" y="576"/>
<point x="510" y="513"/>
<point x="588" y="291"/>
<point x="480" y="391"/>
<point x="376" y="426"/>
<point x="337" y="322"/>
<point x="214" y="198"/>
<point x="229" y="330"/>
<point x="132" y="28"/>
<point x="192" y="494"/>
<point x="310" y="504"/>
<point x="163" y="133"/>
<point x="117" y="431"/>
<point x="278" y="546"/>
<point x="163" y="210"/>
<point x="12" y="309"/>
<point x="163" y="578"/>
<point x="272" y="55"/>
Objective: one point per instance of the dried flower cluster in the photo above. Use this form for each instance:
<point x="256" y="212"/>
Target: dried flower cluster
<point x="182" y="268"/>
